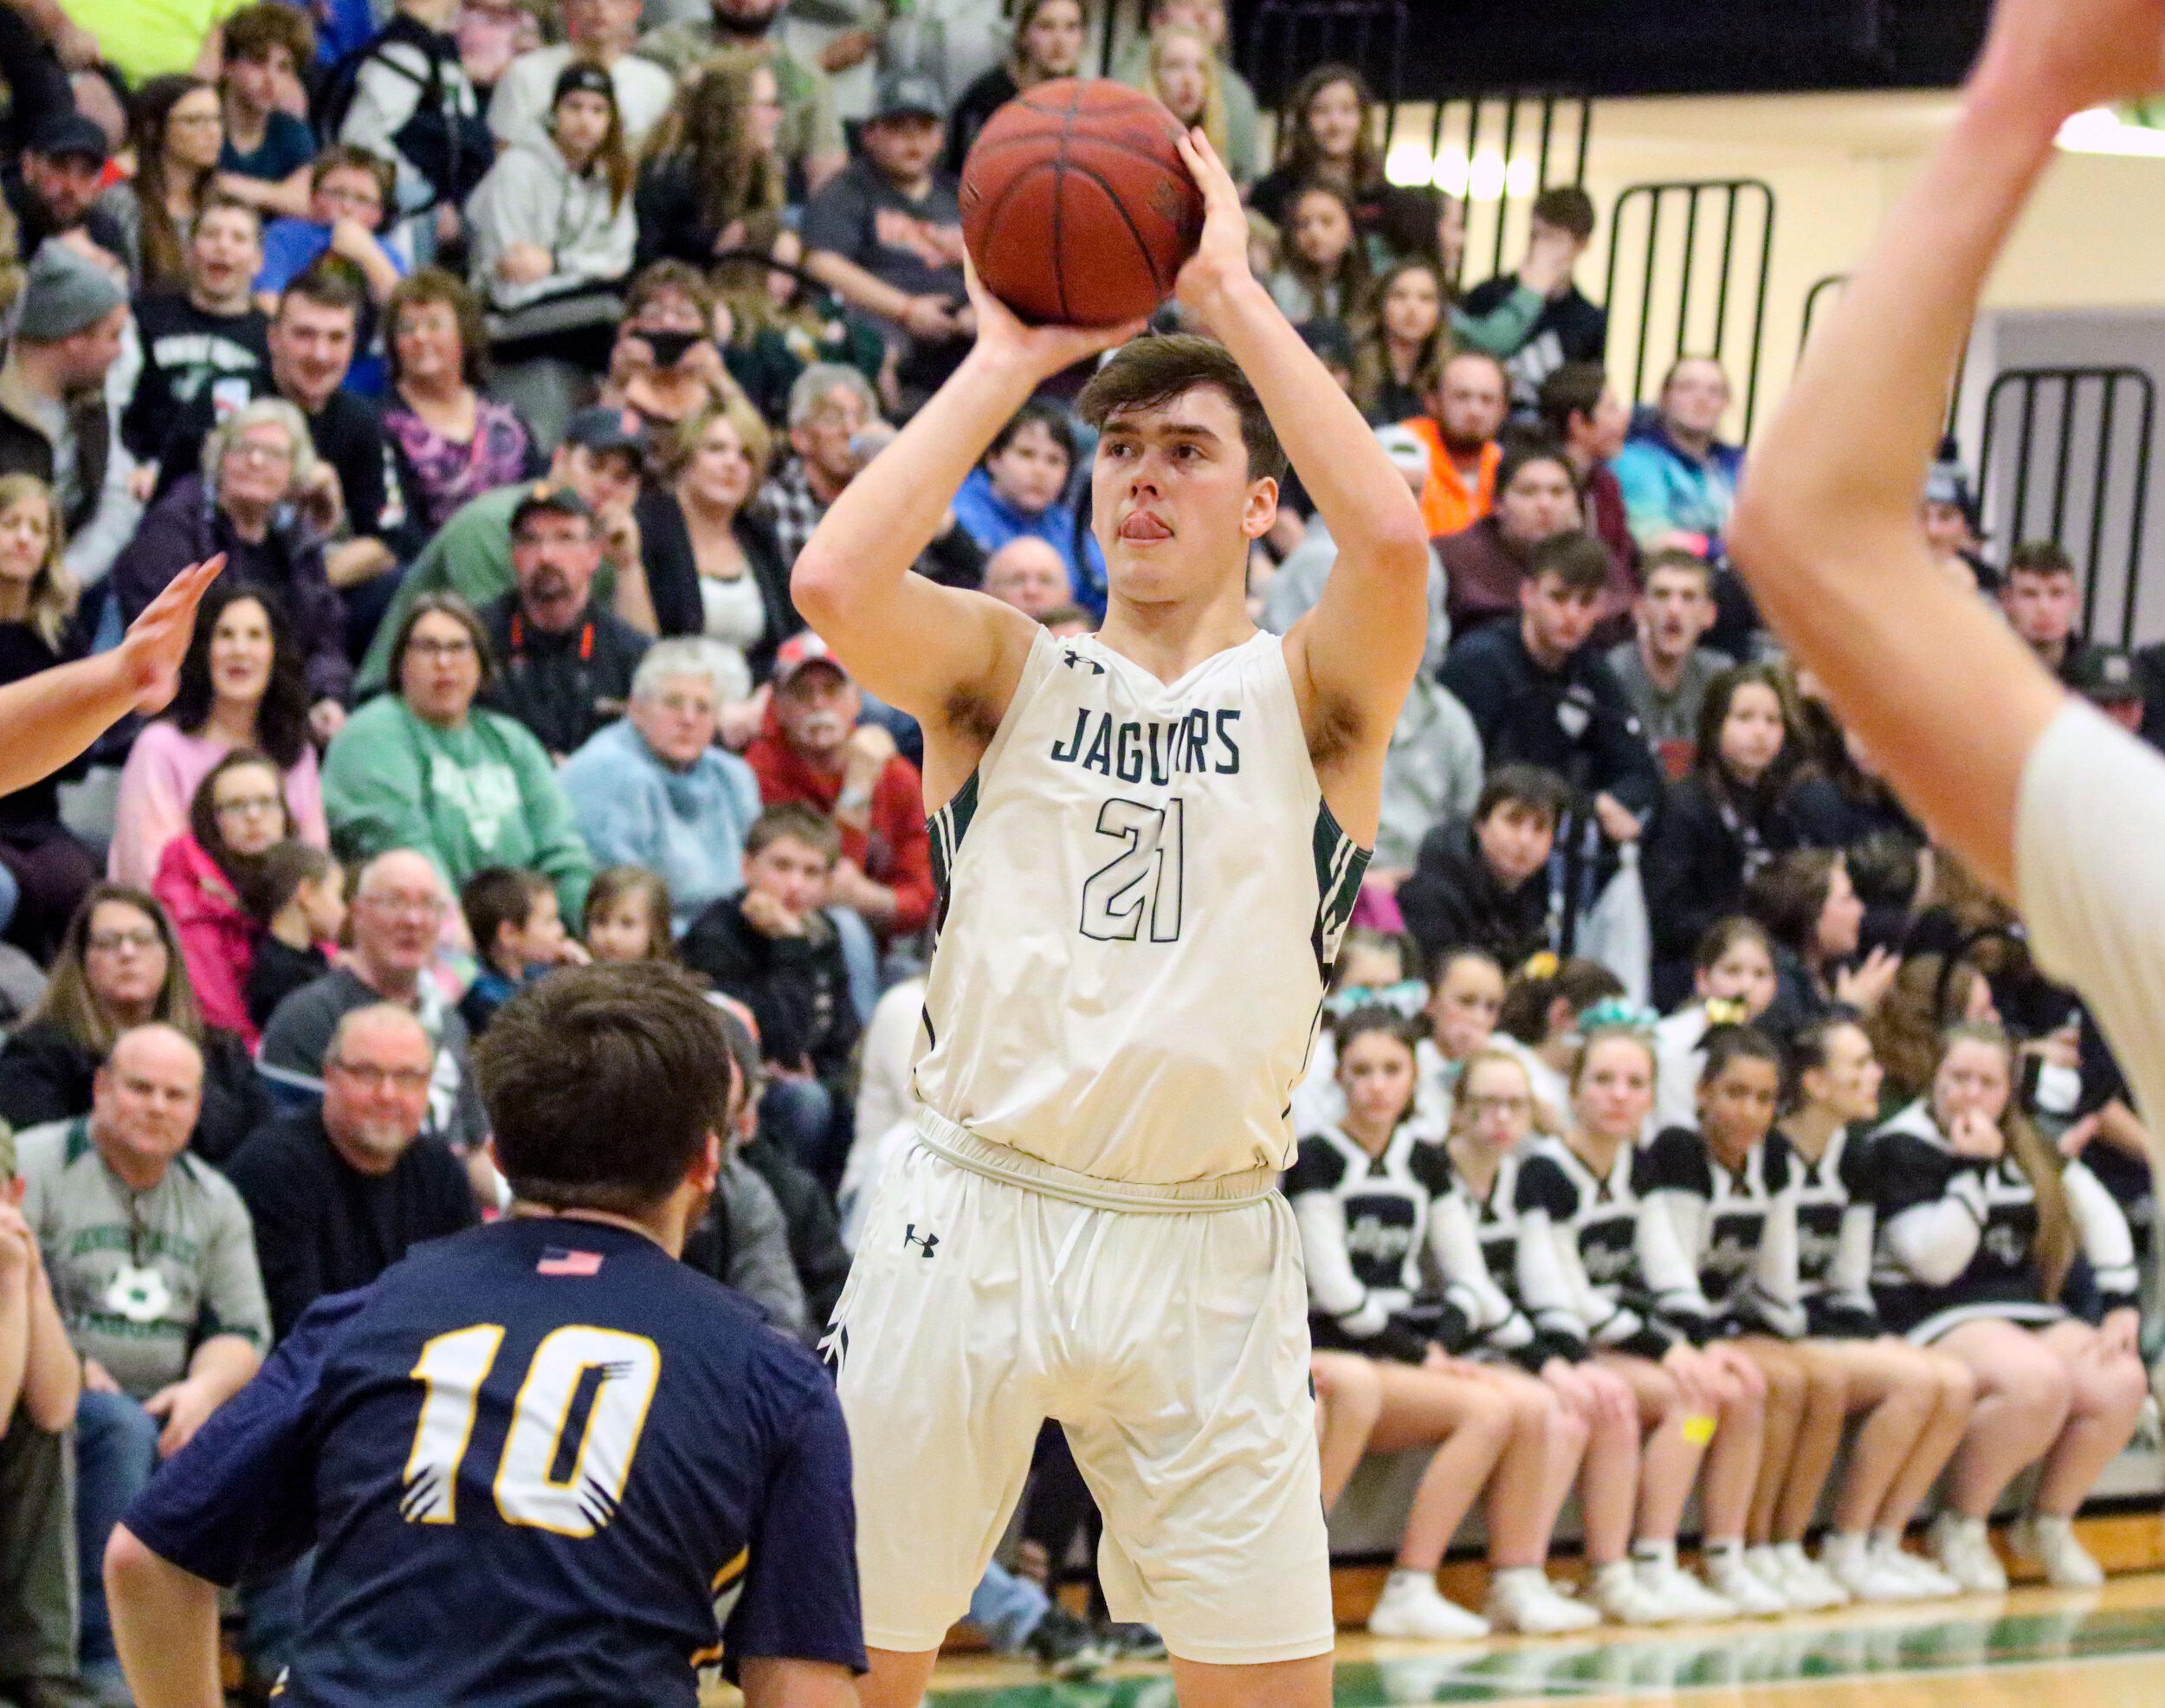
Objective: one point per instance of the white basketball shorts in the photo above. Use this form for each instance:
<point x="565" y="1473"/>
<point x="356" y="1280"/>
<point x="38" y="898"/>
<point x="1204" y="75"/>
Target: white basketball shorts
<point x="1172" y="1347"/>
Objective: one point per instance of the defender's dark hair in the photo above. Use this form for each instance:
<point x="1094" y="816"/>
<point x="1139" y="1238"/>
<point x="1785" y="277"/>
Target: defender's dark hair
<point x="1150" y="371"/>
<point x="602" y="1085"/>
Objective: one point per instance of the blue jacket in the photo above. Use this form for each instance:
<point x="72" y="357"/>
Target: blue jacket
<point x="688" y="825"/>
<point x="1668" y="490"/>
<point x="992" y="522"/>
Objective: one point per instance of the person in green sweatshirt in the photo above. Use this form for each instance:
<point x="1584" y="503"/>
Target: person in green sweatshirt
<point x="424" y="767"/>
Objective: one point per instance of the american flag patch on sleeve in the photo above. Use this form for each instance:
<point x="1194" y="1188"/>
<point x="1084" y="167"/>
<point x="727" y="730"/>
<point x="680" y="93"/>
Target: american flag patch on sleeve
<point x="557" y="1260"/>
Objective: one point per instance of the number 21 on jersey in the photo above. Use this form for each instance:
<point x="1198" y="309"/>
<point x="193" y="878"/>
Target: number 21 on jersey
<point x="569" y="1487"/>
<point x="1140" y="886"/>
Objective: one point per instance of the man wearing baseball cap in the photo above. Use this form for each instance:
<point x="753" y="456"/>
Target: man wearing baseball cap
<point x="886" y="235"/>
<point x="566" y="661"/>
<point x="601" y="459"/>
<point x="816" y="753"/>
<point x="53" y="185"/>
<point x="2107" y="677"/>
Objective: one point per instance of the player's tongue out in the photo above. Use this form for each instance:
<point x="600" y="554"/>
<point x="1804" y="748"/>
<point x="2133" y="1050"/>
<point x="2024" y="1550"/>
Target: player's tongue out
<point x="1144" y="526"/>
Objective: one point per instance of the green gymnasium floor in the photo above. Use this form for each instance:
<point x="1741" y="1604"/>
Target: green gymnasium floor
<point x="2033" y="1647"/>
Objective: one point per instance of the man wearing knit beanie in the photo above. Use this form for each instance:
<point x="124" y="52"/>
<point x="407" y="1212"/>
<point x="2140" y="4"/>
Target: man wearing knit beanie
<point x="54" y="421"/>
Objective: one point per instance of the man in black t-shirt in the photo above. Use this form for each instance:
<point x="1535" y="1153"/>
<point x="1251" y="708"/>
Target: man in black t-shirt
<point x="207" y="338"/>
<point x="1570" y="328"/>
<point x="886" y="234"/>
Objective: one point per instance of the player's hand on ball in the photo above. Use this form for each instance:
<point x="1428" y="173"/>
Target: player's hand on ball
<point x="1221" y="260"/>
<point x="1041" y="352"/>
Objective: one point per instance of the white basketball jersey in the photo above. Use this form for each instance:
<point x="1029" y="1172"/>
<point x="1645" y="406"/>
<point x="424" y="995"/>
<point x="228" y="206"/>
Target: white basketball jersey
<point x="1141" y="892"/>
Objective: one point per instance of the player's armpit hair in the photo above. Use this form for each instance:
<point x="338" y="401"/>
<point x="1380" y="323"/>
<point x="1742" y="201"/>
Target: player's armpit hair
<point x="1336" y="727"/>
<point x="970" y="715"/>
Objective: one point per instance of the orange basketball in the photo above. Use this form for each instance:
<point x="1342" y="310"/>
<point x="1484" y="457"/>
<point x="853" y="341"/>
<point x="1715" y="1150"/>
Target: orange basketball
<point x="1077" y="209"/>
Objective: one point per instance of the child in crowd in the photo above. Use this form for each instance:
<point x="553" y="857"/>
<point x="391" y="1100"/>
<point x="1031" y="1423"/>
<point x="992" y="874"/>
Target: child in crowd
<point x="773" y="947"/>
<point x="1581" y="1278"/>
<point x="518" y="936"/>
<point x="297" y="893"/>
<point x="1020" y="487"/>
<point x="1733" y="982"/>
<point x="1323" y="274"/>
<point x="628" y="915"/>
<point x="1366" y="1194"/>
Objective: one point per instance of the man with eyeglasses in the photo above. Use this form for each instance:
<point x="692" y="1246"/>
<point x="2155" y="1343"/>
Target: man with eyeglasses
<point x="399" y="909"/>
<point x="339" y="1192"/>
<point x="152" y="1263"/>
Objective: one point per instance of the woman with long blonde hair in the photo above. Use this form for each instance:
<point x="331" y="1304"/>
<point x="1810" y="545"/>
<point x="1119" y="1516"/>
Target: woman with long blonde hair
<point x="1185" y="75"/>
<point x="49" y="870"/>
<point x="1979" y="1221"/>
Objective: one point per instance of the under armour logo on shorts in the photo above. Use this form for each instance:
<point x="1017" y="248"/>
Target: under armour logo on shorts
<point x="909" y="1237"/>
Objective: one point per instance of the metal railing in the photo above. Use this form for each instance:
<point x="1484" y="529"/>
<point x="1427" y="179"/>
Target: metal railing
<point x="2094" y="507"/>
<point x="1688" y="268"/>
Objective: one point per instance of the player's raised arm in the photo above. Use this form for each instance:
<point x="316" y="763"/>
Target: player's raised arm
<point x="1354" y="655"/>
<point x="1826" y="531"/>
<point x="911" y="642"/>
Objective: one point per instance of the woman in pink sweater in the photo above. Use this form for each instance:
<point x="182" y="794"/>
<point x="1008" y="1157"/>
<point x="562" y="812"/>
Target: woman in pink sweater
<point x="240" y="687"/>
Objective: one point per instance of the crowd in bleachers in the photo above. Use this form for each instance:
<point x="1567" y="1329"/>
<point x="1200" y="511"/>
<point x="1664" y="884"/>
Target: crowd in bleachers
<point x="510" y="352"/>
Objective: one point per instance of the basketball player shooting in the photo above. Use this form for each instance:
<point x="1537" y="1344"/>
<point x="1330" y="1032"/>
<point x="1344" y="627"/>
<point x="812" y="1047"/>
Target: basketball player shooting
<point x="2058" y="810"/>
<point x="1149" y="842"/>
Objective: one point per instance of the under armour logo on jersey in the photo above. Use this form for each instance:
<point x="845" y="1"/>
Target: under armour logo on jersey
<point x="909" y="1237"/>
<point x="1075" y="661"/>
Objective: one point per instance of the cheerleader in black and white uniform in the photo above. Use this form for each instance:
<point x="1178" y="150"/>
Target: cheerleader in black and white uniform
<point x="1721" y="1244"/>
<point x="1579" y="1275"/>
<point x="1492" y="1119"/>
<point x="1919" y="1398"/>
<point x="1977" y="1226"/>
<point x="1366" y="1194"/>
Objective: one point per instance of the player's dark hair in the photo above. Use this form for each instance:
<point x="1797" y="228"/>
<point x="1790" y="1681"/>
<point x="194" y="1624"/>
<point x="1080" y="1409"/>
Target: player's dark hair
<point x="1568" y="208"/>
<point x="1035" y="413"/>
<point x="1528" y="785"/>
<point x="603" y="1083"/>
<point x="1150" y="371"/>
<point x="793" y="821"/>
<point x="2039" y="557"/>
<point x="496" y="896"/>
<point x="1575" y="558"/>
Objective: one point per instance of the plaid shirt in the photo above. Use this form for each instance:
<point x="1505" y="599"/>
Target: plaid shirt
<point x="792" y="506"/>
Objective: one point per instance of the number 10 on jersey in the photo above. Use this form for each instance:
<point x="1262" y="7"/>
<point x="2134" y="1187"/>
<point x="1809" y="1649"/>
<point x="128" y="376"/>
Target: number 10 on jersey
<point x="614" y="1371"/>
<point x="1144" y="878"/>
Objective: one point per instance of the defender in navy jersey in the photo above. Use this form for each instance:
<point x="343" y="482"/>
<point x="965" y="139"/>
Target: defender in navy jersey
<point x="1148" y="843"/>
<point x="541" y="1462"/>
